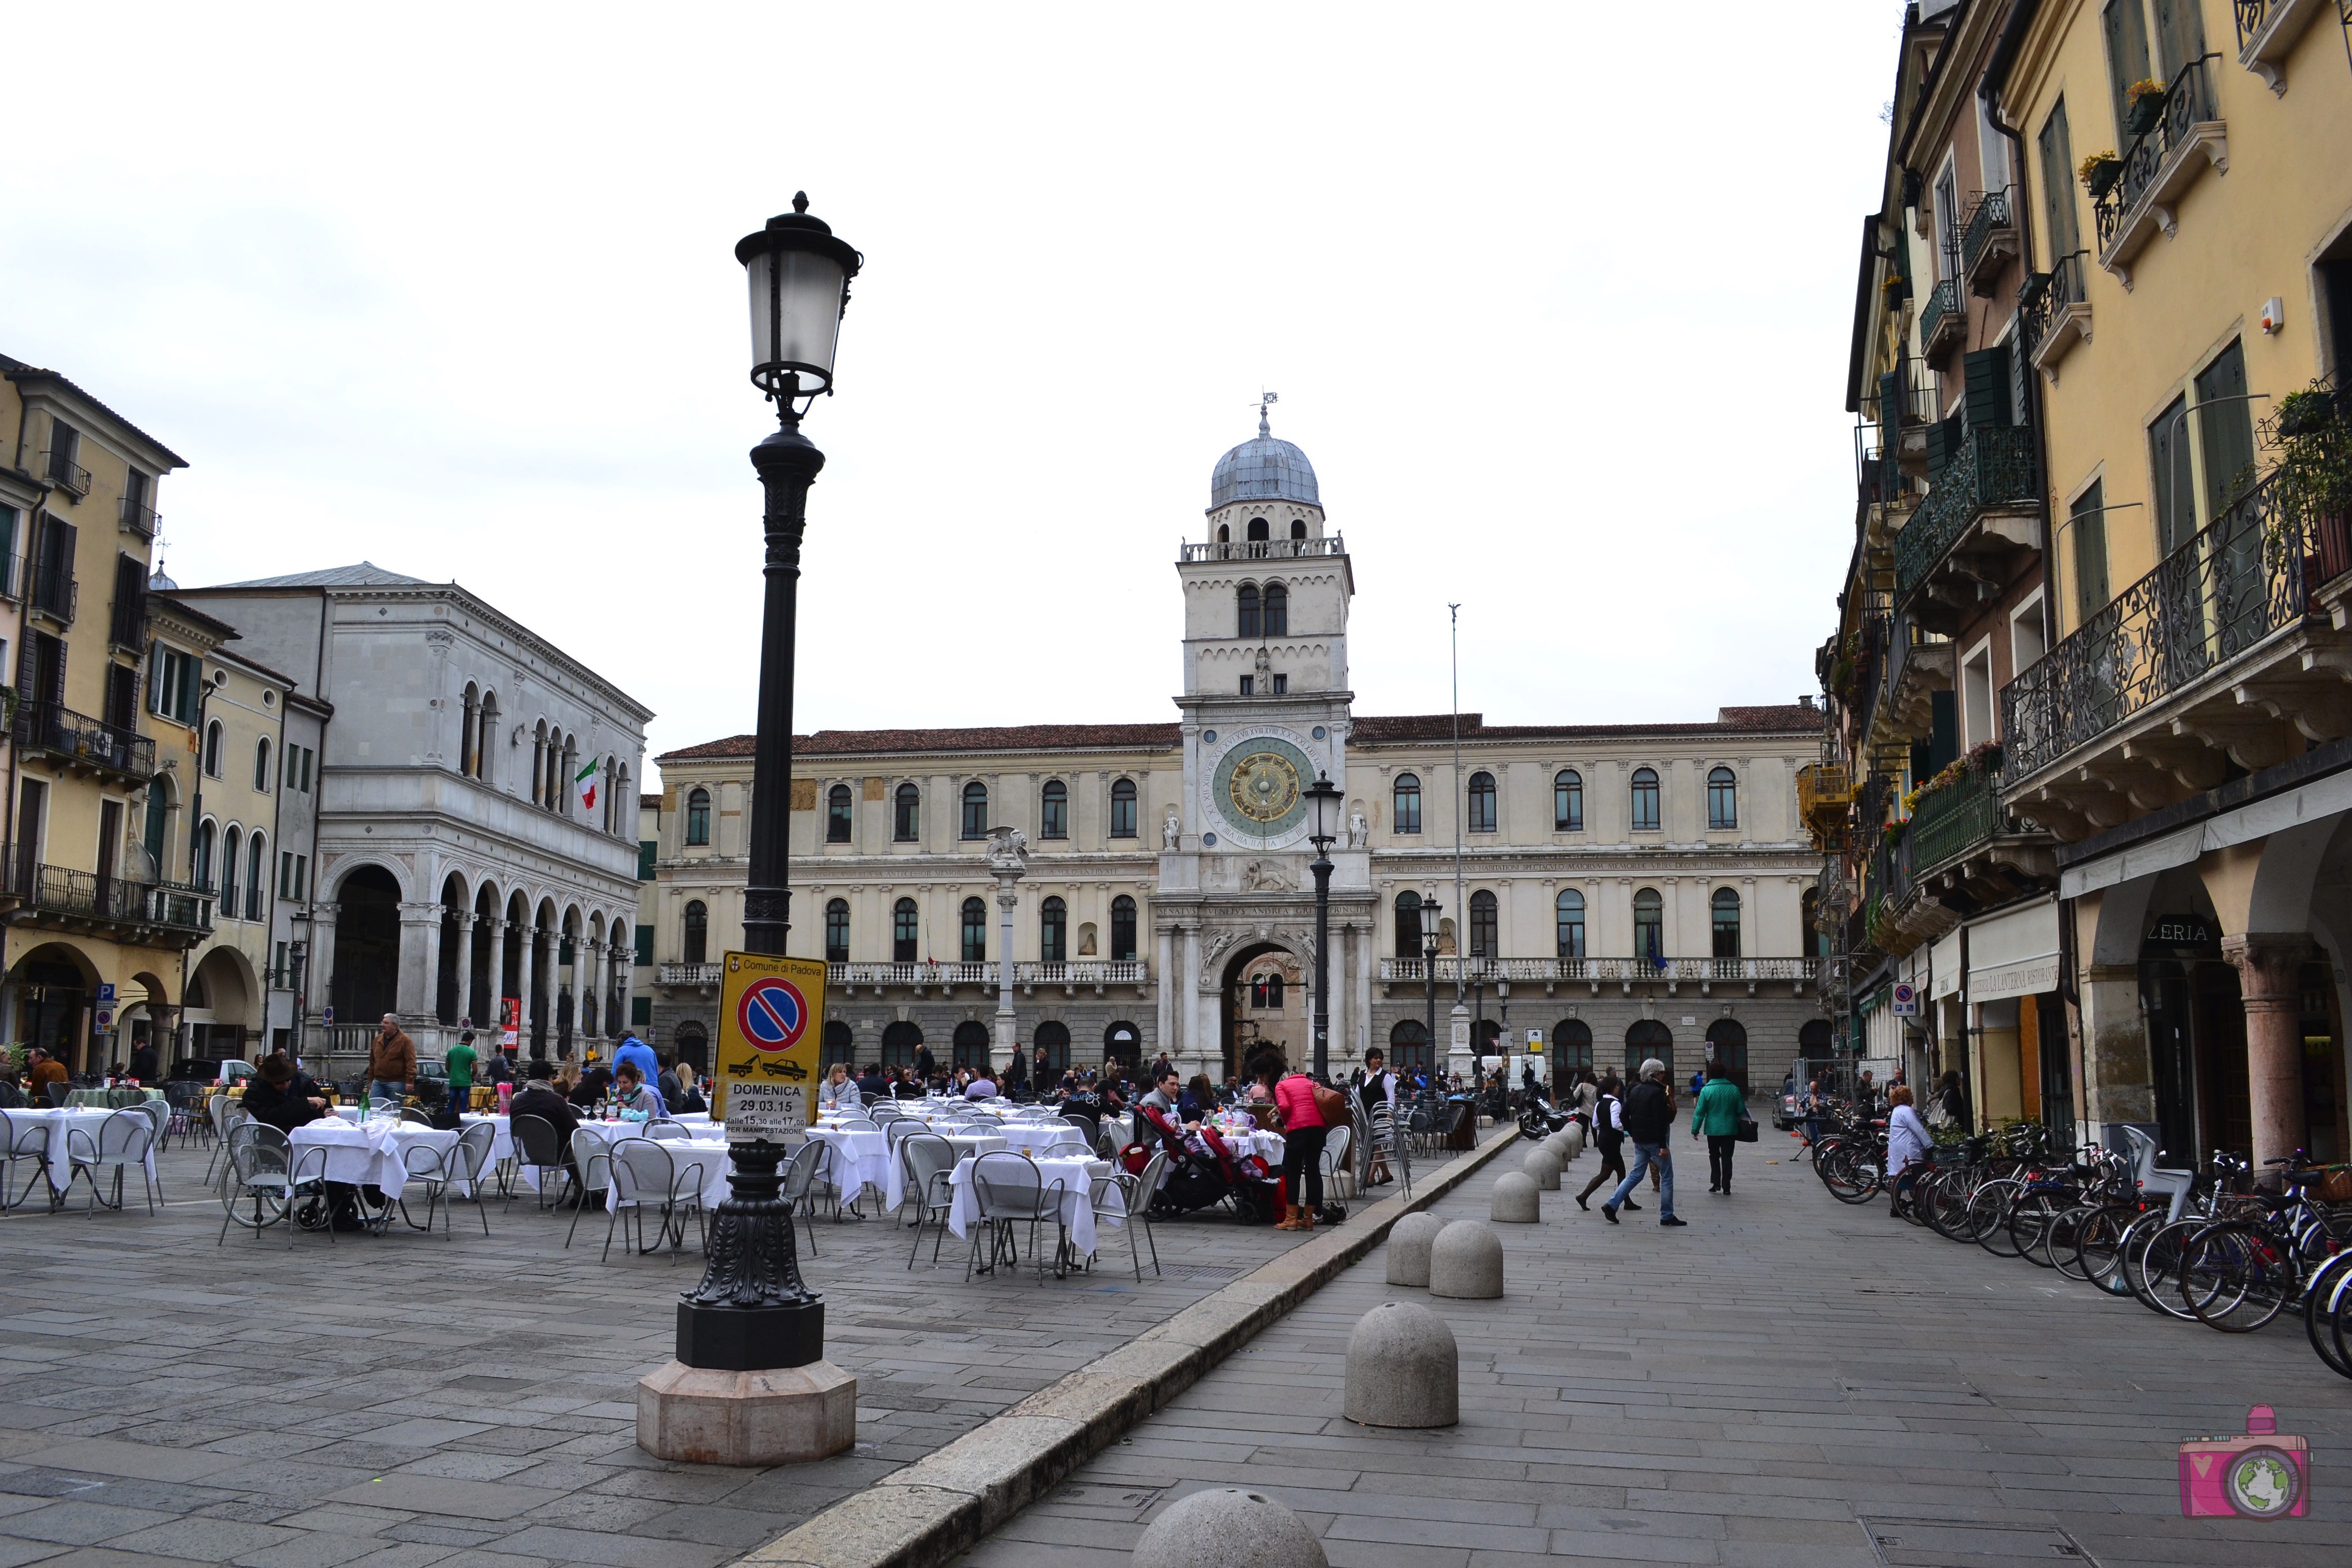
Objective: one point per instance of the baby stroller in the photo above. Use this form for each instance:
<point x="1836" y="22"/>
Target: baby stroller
<point x="1203" y="1172"/>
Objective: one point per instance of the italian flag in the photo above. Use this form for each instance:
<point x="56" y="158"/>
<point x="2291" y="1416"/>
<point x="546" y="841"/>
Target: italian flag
<point x="586" y="783"/>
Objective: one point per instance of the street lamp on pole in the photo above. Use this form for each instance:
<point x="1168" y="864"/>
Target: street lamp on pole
<point x="753" y="1312"/>
<point x="1325" y="797"/>
<point x="1429" y="912"/>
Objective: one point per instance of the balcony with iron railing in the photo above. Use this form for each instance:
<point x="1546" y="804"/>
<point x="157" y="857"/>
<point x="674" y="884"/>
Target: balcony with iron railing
<point x="2159" y="166"/>
<point x="1597" y="972"/>
<point x="2053" y="313"/>
<point x="1982" y="507"/>
<point x="51" y="590"/>
<point x="1943" y="321"/>
<point x="926" y="976"/>
<point x="175" y="914"/>
<point x="2224" y="653"/>
<point x="137" y="518"/>
<point x="2268" y="31"/>
<point x="1988" y="241"/>
<point x="1266" y="548"/>
<point x="62" y="471"/>
<point x="59" y="735"/>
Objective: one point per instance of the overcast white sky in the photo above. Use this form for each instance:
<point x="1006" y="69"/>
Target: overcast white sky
<point x="1556" y="297"/>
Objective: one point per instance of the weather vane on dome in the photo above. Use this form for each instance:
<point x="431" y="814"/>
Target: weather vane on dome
<point x="1266" y="400"/>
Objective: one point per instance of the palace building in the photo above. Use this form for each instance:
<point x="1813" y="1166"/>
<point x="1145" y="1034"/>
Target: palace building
<point x="1626" y="891"/>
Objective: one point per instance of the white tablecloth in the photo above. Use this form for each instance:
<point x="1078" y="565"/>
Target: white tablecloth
<point x="965" y="1144"/>
<point x="1075" y="1177"/>
<point x="858" y="1159"/>
<point x="371" y="1153"/>
<point x="59" y="1120"/>
<point x="709" y="1154"/>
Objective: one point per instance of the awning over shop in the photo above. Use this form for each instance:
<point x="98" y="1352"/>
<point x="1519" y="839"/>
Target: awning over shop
<point x="2014" y="953"/>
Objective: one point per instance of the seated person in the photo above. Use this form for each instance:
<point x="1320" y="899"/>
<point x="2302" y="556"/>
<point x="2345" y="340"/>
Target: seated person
<point x="593" y="1085"/>
<point x="281" y="1097"/>
<point x="632" y="1093"/>
<point x="1200" y="1098"/>
<point x="981" y="1087"/>
<point x="690" y="1101"/>
<point x="837" y="1094"/>
<point x="1166" y="1097"/>
<point x="539" y="1098"/>
<point x="871" y="1083"/>
<point x="908" y="1087"/>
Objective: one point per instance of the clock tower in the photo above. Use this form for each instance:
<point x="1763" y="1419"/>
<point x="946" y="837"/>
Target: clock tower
<point x="1265" y="710"/>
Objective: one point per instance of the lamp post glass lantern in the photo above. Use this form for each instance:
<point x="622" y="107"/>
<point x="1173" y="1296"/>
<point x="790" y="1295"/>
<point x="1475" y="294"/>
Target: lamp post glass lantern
<point x="751" y="1311"/>
<point x="1429" y="912"/>
<point x="1325" y="797"/>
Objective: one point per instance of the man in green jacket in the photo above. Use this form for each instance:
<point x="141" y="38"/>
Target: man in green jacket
<point x="1718" y="1113"/>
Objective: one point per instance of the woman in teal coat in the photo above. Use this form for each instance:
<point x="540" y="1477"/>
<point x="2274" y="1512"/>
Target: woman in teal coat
<point x="1718" y="1113"/>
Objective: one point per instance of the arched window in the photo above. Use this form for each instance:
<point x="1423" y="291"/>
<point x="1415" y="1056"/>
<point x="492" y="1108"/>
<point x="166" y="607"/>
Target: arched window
<point x="257" y="876"/>
<point x="1482" y="803"/>
<point x="1645" y="1039"/>
<point x="469" y="733"/>
<point x="1568" y="924"/>
<point x="898" y="1042"/>
<point x="975" y="810"/>
<point x="1053" y="811"/>
<point x="1298" y="528"/>
<point x="1571" y="1049"/>
<point x="1406" y="799"/>
<point x="1409" y="1045"/>
<point x="213" y="748"/>
<point x="840" y="1043"/>
<point x="975" y="931"/>
<point x="538" y="763"/>
<point x="906" y="815"/>
<point x="1484" y="922"/>
<point x="486" y="736"/>
<point x="1250" y="623"/>
<point x="836" y="931"/>
<point x="261" y="764"/>
<point x="1257" y="529"/>
<point x="1727" y="1048"/>
<point x="971" y="1045"/>
<point x="697" y="817"/>
<point x="1122" y="809"/>
<point x="158" y="835"/>
<point x="1726" y="909"/>
<point x="1053" y="931"/>
<point x="613" y="779"/>
<point x="1053" y="1038"/>
<point x="1722" y="799"/>
<point x="1408" y="924"/>
<point x="906" y="932"/>
<point x="1277" y="610"/>
<point x="1567" y="802"/>
<point x="836" y="815"/>
<point x="1649" y="925"/>
<point x="1122" y="929"/>
<point x="1265" y="993"/>
<point x="1225" y="533"/>
<point x="696" y="946"/>
<point x="1645" y="800"/>
<point x="203" y="866"/>
<point x="228" y="874"/>
<point x="1123" y="1042"/>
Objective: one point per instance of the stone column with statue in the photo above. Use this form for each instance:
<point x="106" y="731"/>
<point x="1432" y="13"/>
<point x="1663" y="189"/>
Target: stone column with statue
<point x="1008" y="861"/>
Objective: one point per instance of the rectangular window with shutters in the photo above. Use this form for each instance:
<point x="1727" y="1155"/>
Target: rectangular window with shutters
<point x="1988" y="388"/>
<point x="123" y="696"/>
<point x="129" y="623"/>
<point x="2055" y="146"/>
<point x="2124" y="23"/>
<point x="285" y="873"/>
<point x="2087" y="521"/>
<point x="645" y="945"/>
<point x="11" y="571"/>
<point x="51" y="590"/>
<point x="171" y="685"/>
<point x="2179" y="34"/>
<point x="2225" y="429"/>
<point x="648" y="850"/>
<point x="2175" y="476"/>
<point x="641" y="1012"/>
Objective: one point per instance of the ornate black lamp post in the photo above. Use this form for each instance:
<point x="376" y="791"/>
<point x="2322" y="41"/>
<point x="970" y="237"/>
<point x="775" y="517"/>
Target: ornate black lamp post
<point x="1429" y="911"/>
<point x="1325" y="797"/>
<point x="752" y="1310"/>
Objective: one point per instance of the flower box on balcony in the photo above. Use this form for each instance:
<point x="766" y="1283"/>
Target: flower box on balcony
<point x="2146" y="107"/>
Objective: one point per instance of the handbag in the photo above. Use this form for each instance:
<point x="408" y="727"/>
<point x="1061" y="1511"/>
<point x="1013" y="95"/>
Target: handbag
<point x="1332" y="1105"/>
<point x="1747" y="1134"/>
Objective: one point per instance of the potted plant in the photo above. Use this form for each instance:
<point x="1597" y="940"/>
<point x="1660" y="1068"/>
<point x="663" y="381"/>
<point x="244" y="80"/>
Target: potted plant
<point x="2099" y="173"/>
<point x="2144" y="101"/>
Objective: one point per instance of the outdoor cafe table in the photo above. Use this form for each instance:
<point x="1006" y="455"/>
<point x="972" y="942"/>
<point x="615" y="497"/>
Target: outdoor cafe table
<point x="707" y="1154"/>
<point x="1075" y="1178"/>
<point x="857" y="1159"/>
<point x="965" y="1145"/>
<point x="369" y="1154"/>
<point x="58" y="1122"/>
<point x="110" y="1099"/>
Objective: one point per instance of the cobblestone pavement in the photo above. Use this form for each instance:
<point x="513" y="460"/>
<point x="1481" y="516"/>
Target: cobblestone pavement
<point x="398" y="1401"/>
<point x="1780" y="1383"/>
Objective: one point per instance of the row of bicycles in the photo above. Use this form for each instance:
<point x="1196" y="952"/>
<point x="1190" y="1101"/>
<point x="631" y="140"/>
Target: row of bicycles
<point x="2214" y="1246"/>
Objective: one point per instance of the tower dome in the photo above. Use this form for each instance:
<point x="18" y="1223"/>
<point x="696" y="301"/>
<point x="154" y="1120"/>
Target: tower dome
<point x="1263" y="469"/>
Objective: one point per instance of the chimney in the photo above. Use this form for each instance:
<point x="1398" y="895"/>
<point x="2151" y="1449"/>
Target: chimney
<point x="1805" y="699"/>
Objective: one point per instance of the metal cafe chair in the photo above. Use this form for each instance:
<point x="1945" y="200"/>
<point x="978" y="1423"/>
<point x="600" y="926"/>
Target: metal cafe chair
<point x="462" y="1164"/>
<point x="1130" y="1204"/>
<point x="260" y="1178"/>
<point x="1010" y="1191"/>
<point x="591" y="1151"/>
<point x="804" y="1179"/>
<point x="22" y="1140"/>
<point x="928" y="1163"/>
<point x="538" y="1148"/>
<point x="644" y="1176"/>
<point x="123" y="1141"/>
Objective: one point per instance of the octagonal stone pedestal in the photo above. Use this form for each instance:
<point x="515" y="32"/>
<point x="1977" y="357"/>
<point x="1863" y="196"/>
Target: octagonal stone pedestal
<point x="780" y="1416"/>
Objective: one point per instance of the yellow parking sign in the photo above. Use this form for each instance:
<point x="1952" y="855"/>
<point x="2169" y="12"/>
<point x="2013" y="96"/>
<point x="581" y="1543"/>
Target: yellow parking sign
<point x="770" y="1020"/>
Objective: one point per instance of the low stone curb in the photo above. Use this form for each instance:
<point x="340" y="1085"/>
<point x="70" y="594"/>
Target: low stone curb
<point x="942" y="1504"/>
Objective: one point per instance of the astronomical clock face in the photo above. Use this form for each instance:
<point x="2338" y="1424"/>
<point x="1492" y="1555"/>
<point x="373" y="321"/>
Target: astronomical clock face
<point x="1257" y="787"/>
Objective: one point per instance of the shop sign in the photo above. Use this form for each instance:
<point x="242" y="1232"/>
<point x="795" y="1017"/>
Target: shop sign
<point x="2185" y="936"/>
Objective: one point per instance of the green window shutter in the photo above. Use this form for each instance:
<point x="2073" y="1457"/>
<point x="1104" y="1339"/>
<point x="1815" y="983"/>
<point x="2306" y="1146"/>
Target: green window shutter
<point x="1943" y="439"/>
<point x="1987" y="372"/>
<point x="644" y="934"/>
<point x="641" y="1012"/>
<point x="647" y="849"/>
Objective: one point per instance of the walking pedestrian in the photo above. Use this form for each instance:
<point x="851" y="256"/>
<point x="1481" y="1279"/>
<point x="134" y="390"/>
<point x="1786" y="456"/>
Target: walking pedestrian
<point x="392" y="1062"/>
<point x="1303" y="1129"/>
<point x="1649" y="1117"/>
<point x="1907" y="1148"/>
<point x="1609" y="1137"/>
<point x="1588" y="1093"/>
<point x="1954" y="1102"/>
<point x="1717" y="1115"/>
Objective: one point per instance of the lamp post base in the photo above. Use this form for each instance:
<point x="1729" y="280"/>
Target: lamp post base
<point x="749" y="1338"/>
<point x="782" y="1415"/>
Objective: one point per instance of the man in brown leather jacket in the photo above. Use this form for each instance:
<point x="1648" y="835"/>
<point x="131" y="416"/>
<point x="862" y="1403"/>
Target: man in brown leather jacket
<point x="392" y="1063"/>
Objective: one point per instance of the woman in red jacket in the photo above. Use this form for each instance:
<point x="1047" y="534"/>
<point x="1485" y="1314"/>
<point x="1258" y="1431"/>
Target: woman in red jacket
<point x="1302" y="1148"/>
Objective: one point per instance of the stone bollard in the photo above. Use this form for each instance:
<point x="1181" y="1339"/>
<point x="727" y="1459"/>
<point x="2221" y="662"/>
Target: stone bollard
<point x="1402" y="1369"/>
<point x="1516" y="1202"/>
<point x="1542" y="1167"/>
<point x="1466" y="1262"/>
<point x="1236" y="1529"/>
<point x="1409" y="1241"/>
<point x="1571" y="1139"/>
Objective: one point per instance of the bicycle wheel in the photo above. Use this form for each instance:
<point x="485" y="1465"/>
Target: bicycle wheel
<point x="2029" y="1219"/>
<point x="2154" y="1269"/>
<point x="2323" y="1302"/>
<point x="1989" y="1216"/>
<point x="2058" y="1243"/>
<point x="1947" y="1209"/>
<point x="2098" y="1247"/>
<point x="2237" y="1276"/>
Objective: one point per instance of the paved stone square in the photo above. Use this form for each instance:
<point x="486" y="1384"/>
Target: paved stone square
<point x="1787" y="1381"/>
<point x="404" y="1400"/>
